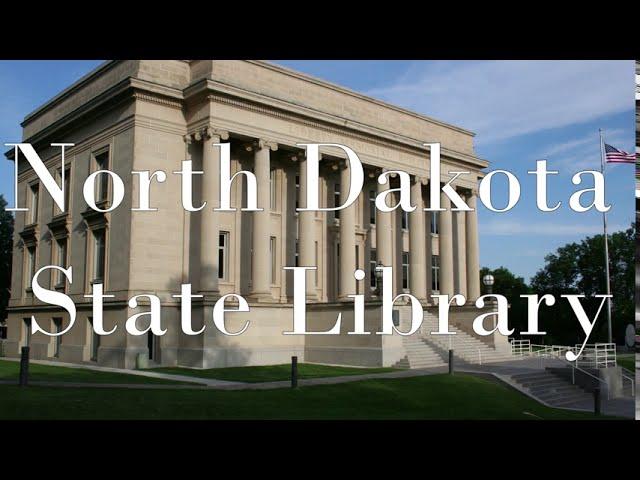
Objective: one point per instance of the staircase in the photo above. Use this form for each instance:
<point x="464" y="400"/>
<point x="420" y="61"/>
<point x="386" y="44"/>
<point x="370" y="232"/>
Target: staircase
<point x="465" y="346"/>
<point x="552" y="389"/>
<point x="419" y="354"/>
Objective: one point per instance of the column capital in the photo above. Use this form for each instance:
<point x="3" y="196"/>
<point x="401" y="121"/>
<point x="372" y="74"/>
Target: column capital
<point x="420" y="179"/>
<point x="187" y="138"/>
<point x="386" y="170"/>
<point x="262" y="143"/>
<point x="206" y="133"/>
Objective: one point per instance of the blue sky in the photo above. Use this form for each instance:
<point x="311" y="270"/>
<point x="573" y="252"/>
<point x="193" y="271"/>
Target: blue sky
<point x="521" y="111"/>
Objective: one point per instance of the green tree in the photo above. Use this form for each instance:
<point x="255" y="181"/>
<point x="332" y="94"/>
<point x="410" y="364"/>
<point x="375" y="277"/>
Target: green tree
<point x="511" y="287"/>
<point x="578" y="268"/>
<point x="6" y="246"/>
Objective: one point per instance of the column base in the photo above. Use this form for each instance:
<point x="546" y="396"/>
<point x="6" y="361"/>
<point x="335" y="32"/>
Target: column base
<point x="210" y="294"/>
<point x="262" y="297"/>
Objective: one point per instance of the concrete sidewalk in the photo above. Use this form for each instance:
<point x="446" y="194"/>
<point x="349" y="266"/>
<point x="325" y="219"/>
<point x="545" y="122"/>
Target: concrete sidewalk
<point x="209" y="382"/>
<point x="619" y="407"/>
<point x="199" y="383"/>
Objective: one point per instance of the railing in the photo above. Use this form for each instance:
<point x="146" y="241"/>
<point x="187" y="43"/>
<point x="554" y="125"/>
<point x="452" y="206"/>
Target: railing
<point x="598" y="355"/>
<point x="521" y="348"/>
<point x="631" y="381"/>
<point x="573" y="376"/>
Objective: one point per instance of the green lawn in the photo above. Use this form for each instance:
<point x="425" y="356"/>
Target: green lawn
<point x="271" y="373"/>
<point x="48" y="373"/>
<point x="430" y="397"/>
<point x="627" y="361"/>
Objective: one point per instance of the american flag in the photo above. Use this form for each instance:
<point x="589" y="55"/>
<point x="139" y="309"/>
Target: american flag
<point x="615" y="155"/>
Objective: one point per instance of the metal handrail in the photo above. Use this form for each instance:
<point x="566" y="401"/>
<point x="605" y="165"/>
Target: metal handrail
<point x="632" y="380"/>
<point x="573" y="374"/>
<point x="575" y="367"/>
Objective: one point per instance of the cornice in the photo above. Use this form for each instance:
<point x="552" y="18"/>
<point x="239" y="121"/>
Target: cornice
<point x="234" y="96"/>
<point x="338" y="88"/>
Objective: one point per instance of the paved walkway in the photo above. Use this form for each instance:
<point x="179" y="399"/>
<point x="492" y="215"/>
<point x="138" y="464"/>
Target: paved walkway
<point x="199" y="383"/>
<point x="502" y="371"/>
<point x="619" y="407"/>
<point x="209" y="382"/>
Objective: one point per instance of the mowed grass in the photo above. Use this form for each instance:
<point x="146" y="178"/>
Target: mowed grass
<point x="271" y="373"/>
<point x="443" y="397"/>
<point x="48" y="373"/>
<point x="627" y="361"/>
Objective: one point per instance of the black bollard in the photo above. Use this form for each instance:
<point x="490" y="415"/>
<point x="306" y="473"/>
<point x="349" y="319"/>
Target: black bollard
<point x="294" y="372"/>
<point x="596" y="401"/>
<point x="450" y="362"/>
<point x="24" y="367"/>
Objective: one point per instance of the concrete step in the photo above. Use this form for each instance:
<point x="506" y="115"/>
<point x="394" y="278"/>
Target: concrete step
<point x="550" y="392"/>
<point x="550" y="388"/>
<point x="582" y="398"/>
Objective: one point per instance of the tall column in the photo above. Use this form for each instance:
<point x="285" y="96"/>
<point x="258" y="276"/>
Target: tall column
<point x="209" y="241"/>
<point x="417" y="241"/>
<point x="306" y="232"/>
<point x="460" y="256"/>
<point x="384" y="240"/>
<point x="445" y="231"/>
<point x="347" y="239"/>
<point x="473" y="253"/>
<point x="260" y="282"/>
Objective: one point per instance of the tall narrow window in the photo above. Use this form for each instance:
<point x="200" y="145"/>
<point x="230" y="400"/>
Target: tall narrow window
<point x="272" y="189"/>
<point x="57" y="340"/>
<point x="316" y="272"/>
<point x="434" y="222"/>
<point x="297" y="193"/>
<point x="373" y="263"/>
<point x="30" y="267"/>
<point x="61" y="261"/>
<point x="102" y="163"/>
<point x="152" y="346"/>
<point x="337" y="269"/>
<point x="99" y="256"/>
<point x="336" y="199"/>
<point x="405" y="220"/>
<point x="94" y="342"/>
<point x="435" y="273"/>
<point x="297" y="264"/>
<point x="26" y="338"/>
<point x="34" y="200"/>
<point x="372" y="207"/>
<point x="405" y="270"/>
<point x="272" y="253"/>
<point x="223" y="255"/>
<point x="67" y="190"/>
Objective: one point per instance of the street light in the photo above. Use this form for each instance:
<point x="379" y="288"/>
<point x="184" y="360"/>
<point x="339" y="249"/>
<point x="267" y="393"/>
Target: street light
<point x="379" y="278"/>
<point x="488" y="280"/>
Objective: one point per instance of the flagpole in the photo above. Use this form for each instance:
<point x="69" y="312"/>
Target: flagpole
<point x="606" y="242"/>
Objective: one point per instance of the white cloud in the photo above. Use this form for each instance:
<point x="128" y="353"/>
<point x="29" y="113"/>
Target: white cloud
<point x="514" y="227"/>
<point x="503" y="99"/>
<point x="583" y="153"/>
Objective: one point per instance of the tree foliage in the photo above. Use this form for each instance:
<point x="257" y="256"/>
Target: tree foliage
<point x="579" y="268"/>
<point x="507" y="284"/>
<point x="6" y="246"/>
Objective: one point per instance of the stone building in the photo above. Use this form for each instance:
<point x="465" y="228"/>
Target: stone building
<point x="151" y="115"/>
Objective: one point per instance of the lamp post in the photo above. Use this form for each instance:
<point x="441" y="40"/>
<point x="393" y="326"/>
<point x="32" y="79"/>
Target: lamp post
<point x="379" y="279"/>
<point x="488" y="280"/>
